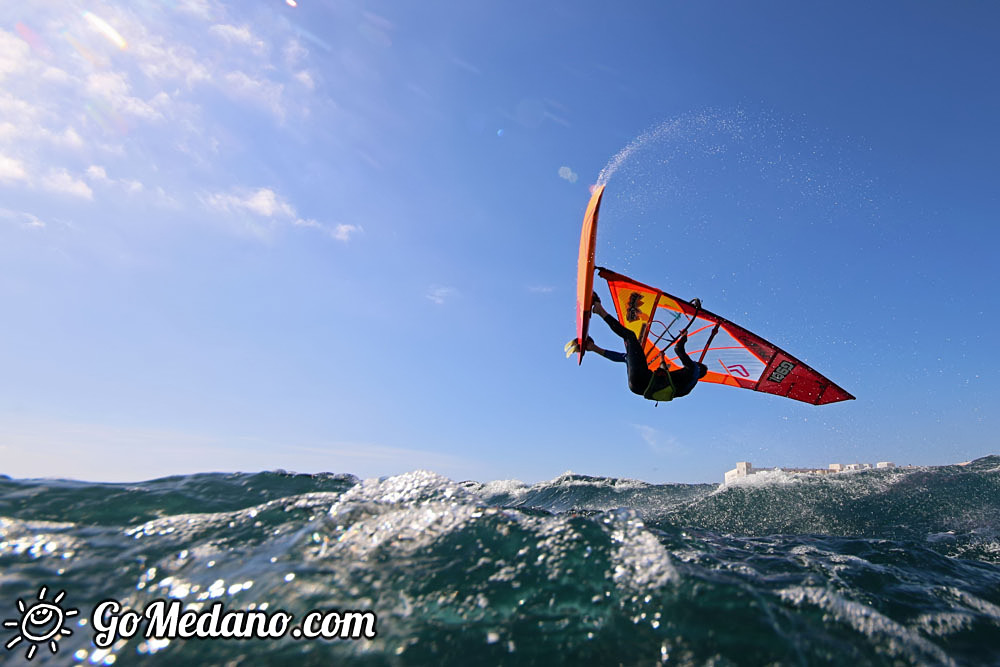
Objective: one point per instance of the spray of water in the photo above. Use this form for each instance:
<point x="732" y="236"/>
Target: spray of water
<point x="650" y="136"/>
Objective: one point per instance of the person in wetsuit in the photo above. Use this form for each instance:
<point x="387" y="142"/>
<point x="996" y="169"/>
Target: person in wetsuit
<point x="659" y="385"/>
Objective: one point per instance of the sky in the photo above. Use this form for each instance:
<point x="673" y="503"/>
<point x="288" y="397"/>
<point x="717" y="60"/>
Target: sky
<point x="342" y="236"/>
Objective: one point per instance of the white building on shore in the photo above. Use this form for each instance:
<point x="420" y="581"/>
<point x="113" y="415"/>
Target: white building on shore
<point x="745" y="469"/>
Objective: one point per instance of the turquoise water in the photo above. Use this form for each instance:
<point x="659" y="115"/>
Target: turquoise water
<point x="879" y="567"/>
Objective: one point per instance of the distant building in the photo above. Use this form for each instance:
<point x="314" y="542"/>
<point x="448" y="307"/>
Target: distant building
<point x="745" y="469"/>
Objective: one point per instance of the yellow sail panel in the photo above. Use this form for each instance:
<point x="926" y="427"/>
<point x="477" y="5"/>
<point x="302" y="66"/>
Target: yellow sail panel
<point x="635" y="307"/>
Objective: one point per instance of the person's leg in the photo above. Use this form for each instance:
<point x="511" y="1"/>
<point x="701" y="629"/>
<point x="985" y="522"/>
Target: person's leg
<point x="622" y="332"/>
<point x="639" y="374"/>
<point x="634" y="357"/>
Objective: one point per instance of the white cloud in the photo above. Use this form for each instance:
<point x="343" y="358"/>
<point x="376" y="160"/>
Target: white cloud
<point x="344" y="232"/>
<point x="541" y="289"/>
<point x="163" y="63"/>
<point x="56" y="75"/>
<point x="240" y="35"/>
<point x="259" y="91"/>
<point x="264" y="202"/>
<point x="165" y="200"/>
<point x="658" y="443"/>
<point x="295" y="52"/>
<point x="96" y="173"/>
<point x="441" y="294"/>
<point x="11" y="170"/>
<point x="107" y="84"/>
<point x="26" y="130"/>
<point x="568" y="174"/>
<point x="60" y="180"/>
<point x="305" y="78"/>
<point x="268" y="205"/>
<point x="198" y="8"/>
<point x="23" y="219"/>
<point x="114" y="88"/>
<point x="14" y="53"/>
<point x="17" y="110"/>
<point x="70" y="137"/>
<point x="156" y="94"/>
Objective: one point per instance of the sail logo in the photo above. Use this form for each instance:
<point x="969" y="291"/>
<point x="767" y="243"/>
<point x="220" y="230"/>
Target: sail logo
<point x="782" y="371"/>
<point x="634" y="309"/>
<point x="738" y="369"/>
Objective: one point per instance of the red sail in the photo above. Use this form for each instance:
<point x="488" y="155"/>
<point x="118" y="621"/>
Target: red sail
<point x="735" y="357"/>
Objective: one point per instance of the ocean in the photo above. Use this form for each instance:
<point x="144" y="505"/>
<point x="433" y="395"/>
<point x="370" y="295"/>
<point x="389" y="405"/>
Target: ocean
<point x="875" y="567"/>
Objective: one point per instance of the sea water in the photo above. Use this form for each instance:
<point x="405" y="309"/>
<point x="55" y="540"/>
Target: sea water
<point x="876" y="567"/>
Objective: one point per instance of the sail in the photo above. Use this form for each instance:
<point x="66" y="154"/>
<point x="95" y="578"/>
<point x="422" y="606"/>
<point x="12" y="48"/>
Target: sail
<point x="735" y="357"/>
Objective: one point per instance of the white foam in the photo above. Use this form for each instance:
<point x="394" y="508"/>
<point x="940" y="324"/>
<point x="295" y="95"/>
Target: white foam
<point x="641" y="561"/>
<point x="894" y="638"/>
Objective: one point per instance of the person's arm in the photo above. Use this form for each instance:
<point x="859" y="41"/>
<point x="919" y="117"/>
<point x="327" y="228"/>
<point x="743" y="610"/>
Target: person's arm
<point x="607" y="354"/>
<point x="682" y="353"/>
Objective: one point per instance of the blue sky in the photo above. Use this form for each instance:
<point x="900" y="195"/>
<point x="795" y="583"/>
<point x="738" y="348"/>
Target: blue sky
<point x="342" y="236"/>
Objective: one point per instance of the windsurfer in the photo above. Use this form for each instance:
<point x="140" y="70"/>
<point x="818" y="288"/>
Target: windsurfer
<point x="661" y="384"/>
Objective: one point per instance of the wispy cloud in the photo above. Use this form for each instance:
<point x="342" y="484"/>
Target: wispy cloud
<point x="98" y="174"/>
<point x="240" y="35"/>
<point x="264" y="202"/>
<point x="201" y="9"/>
<point x="657" y="442"/>
<point x="440" y="295"/>
<point x="541" y="289"/>
<point x="61" y="181"/>
<point x="13" y="53"/>
<point x="466" y="65"/>
<point x="262" y="92"/>
<point x="305" y="78"/>
<point x="114" y="88"/>
<point x="295" y="53"/>
<point x="344" y="232"/>
<point x="70" y="137"/>
<point x="142" y="113"/>
<point x="11" y="170"/>
<point x="171" y="62"/>
<point x="270" y="208"/>
<point x="22" y="219"/>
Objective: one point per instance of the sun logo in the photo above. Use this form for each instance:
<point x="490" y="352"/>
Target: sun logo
<point x="634" y="309"/>
<point x="40" y="622"/>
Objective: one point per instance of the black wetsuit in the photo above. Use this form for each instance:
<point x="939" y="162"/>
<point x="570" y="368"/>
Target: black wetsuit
<point x="643" y="381"/>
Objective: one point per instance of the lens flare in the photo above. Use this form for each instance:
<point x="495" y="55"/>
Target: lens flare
<point x="86" y="53"/>
<point x="32" y="38"/>
<point x="103" y="27"/>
